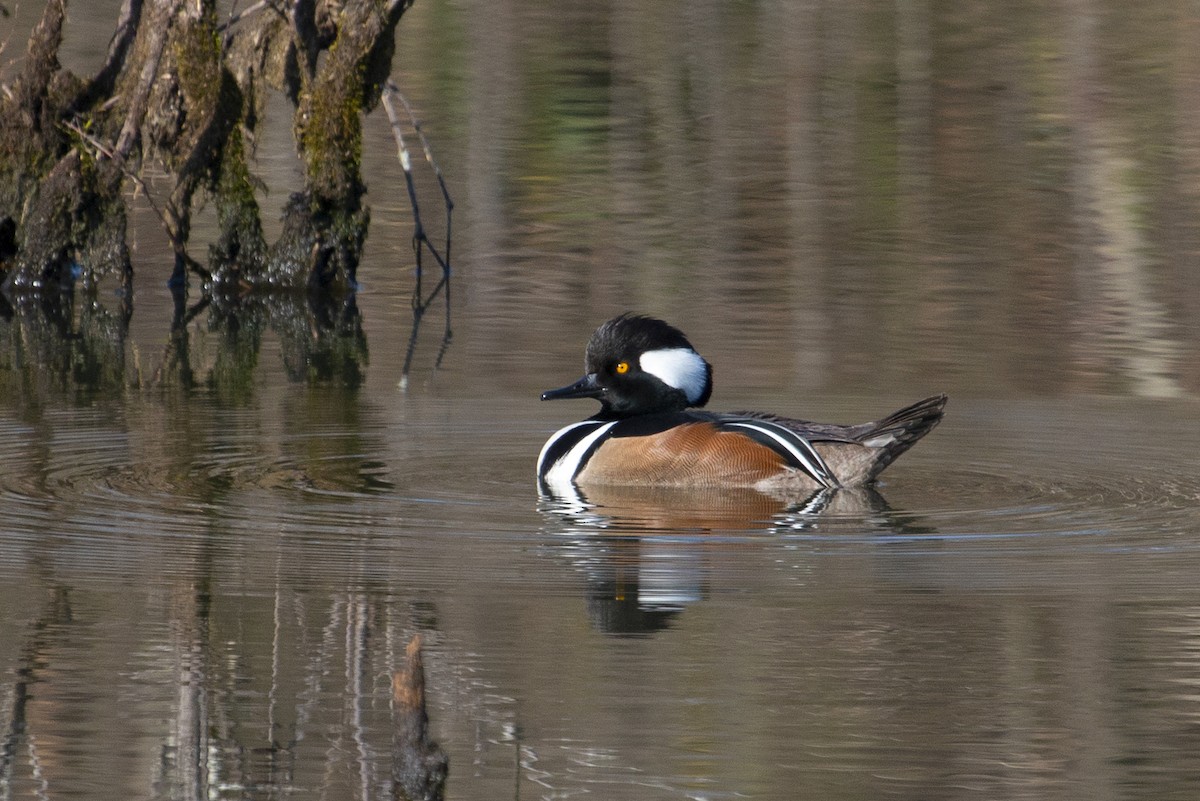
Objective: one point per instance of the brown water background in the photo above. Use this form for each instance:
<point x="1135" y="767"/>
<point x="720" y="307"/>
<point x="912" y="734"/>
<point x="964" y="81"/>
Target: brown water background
<point x="211" y="556"/>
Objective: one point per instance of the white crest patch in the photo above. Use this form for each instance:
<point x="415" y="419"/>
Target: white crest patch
<point x="681" y="368"/>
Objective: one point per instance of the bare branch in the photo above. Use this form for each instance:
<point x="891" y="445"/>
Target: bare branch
<point x="118" y="48"/>
<point x="131" y="129"/>
<point x="406" y="164"/>
<point x="420" y="303"/>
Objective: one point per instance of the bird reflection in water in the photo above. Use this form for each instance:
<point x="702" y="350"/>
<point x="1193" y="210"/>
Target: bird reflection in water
<point x="647" y="552"/>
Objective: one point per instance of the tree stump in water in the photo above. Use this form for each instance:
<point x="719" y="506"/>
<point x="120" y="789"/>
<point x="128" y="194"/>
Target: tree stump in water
<point x="187" y="91"/>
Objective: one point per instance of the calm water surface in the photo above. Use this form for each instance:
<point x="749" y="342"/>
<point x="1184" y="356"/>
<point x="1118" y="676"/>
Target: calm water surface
<point x="216" y="538"/>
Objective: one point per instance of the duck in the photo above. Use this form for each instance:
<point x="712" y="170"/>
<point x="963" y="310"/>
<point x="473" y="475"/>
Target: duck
<point x="652" y="429"/>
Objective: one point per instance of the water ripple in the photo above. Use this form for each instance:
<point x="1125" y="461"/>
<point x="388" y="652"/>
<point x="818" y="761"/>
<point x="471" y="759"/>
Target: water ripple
<point x="981" y="502"/>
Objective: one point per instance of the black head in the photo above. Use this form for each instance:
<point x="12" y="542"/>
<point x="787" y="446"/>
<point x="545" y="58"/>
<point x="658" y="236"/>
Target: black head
<point x="640" y="365"/>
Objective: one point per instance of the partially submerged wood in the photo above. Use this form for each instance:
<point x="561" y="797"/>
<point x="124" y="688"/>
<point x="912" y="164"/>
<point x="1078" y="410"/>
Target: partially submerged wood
<point x="182" y="89"/>
<point x="419" y="764"/>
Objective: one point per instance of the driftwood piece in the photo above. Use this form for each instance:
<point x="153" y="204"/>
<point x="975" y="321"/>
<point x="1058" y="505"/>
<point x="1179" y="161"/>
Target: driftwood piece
<point x="419" y="765"/>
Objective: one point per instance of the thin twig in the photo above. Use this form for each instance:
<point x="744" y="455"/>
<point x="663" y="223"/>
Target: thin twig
<point x="437" y="171"/>
<point x="421" y="242"/>
<point x="107" y="152"/>
<point x="236" y="16"/>
<point x="390" y="89"/>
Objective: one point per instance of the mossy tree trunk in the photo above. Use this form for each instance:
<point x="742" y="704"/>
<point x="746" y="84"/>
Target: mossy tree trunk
<point x="181" y="89"/>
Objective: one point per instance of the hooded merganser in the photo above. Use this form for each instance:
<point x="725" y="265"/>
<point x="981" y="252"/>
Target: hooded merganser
<point x="647" y="376"/>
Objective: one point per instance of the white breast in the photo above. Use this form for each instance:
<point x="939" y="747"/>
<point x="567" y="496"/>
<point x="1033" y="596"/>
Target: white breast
<point x="561" y="475"/>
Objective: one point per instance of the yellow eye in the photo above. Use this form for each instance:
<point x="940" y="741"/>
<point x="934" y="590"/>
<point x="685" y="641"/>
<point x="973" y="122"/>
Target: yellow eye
<point x="622" y="367"/>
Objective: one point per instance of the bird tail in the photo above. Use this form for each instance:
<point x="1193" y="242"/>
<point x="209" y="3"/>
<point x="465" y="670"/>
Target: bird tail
<point x="900" y="430"/>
